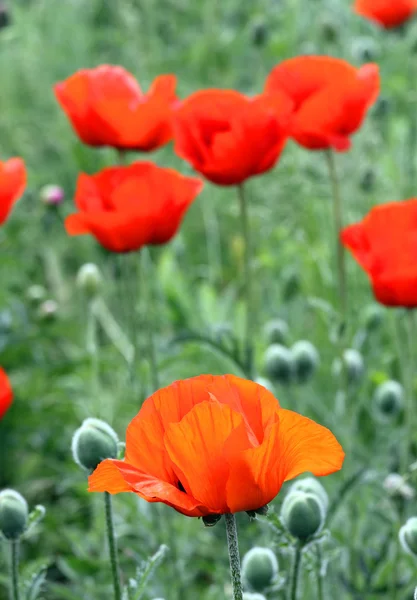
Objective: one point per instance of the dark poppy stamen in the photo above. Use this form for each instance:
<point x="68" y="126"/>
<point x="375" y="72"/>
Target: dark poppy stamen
<point x="181" y="487"/>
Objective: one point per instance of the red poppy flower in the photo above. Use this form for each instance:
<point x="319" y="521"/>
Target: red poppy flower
<point x="6" y="394"/>
<point x="12" y="185"/>
<point x="126" y="208"/>
<point x="229" y="137"/>
<point x="385" y="246"/>
<point x="214" y="445"/>
<point x="106" y="107"/>
<point x="387" y="13"/>
<point x="331" y="98"/>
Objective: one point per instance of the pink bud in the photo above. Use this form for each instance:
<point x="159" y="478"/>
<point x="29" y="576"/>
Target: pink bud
<point x="52" y="195"/>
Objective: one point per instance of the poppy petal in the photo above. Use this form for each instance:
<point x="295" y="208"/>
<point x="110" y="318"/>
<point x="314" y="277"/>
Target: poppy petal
<point x="12" y="185"/>
<point x="196" y="446"/>
<point x="115" y="476"/>
<point x="6" y="393"/>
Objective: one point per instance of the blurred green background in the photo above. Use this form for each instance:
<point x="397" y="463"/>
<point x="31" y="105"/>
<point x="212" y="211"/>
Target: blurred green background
<point x="196" y="282"/>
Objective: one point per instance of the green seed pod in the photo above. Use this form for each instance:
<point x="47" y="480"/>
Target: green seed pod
<point x="249" y="596"/>
<point x="311" y="485"/>
<point x="278" y="364"/>
<point x="259" y="569"/>
<point x="373" y="317"/>
<point x="90" y="280"/>
<point x="367" y="180"/>
<point x="14" y="514"/>
<point x="353" y="364"/>
<point x="259" y="31"/>
<point x="408" y="536"/>
<point x="302" y="514"/>
<point x="276" y="332"/>
<point x="94" y="441"/>
<point x="389" y="400"/>
<point x="291" y="284"/>
<point x="305" y="360"/>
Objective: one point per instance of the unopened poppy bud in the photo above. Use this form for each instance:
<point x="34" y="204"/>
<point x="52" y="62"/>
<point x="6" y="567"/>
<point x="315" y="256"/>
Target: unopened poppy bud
<point x="373" y="316"/>
<point x="259" y="33"/>
<point x="389" y="399"/>
<point x="94" y="441"/>
<point x="278" y="363"/>
<point x="397" y="487"/>
<point x="408" y="536"/>
<point x="48" y="310"/>
<point x="367" y="180"/>
<point x="329" y="28"/>
<point x="35" y="294"/>
<point x="305" y="360"/>
<point x="89" y="279"/>
<point x="302" y="514"/>
<point x="52" y="195"/>
<point x="259" y="568"/>
<point x="382" y="107"/>
<point x="353" y="366"/>
<point x="250" y="596"/>
<point x="311" y="485"/>
<point x="211" y="520"/>
<point x="276" y="332"/>
<point x="365" y="49"/>
<point x="14" y="514"/>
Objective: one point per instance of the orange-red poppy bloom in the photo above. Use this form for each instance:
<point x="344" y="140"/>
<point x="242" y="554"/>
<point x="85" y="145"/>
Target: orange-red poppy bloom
<point x="106" y="107"/>
<point x="128" y="207"/>
<point x="229" y="137"/>
<point x="385" y="246"/>
<point x="215" y="445"/>
<point x="387" y="13"/>
<point x="331" y="98"/>
<point x="6" y="394"/>
<point x="12" y="185"/>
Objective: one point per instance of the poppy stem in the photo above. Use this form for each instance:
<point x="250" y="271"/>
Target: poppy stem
<point x="112" y="546"/>
<point x="248" y="347"/>
<point x="14" y="565"/>
<point x="296" y="572"/>
<point x="233" y="547"/>
<point x="320" y="582"/>
<point x="409" y="387"/>
<point x="338" y="225"/>
<point x="147" y="282"/>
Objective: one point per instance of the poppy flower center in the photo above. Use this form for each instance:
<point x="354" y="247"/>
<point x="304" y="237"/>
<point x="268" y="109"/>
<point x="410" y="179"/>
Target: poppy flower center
<point x="181" y="487"/>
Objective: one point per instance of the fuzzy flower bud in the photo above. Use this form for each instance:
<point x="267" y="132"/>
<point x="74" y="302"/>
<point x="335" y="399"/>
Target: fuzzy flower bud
<point x="408" y="536"/>
<point x="302" y="514"/>
<point x="311" y="485"/>
<point x="353" y="365"/>
<point x="14" y="514"/>
<point x="90" y="279"/>
<point x="389" y="399"/>
<point x="395" y="485"/>
<point x="276" y="331"/>
<point x="94" y="441"/>
<point x="52" y="195"/>
<point x="259" y="569"/>
<point x="278" y="363"/>
<point x="48" y="311"/>
<point x="305" y="360"/>
<point x="373" y="317"/>
<point x="35" y="294"/>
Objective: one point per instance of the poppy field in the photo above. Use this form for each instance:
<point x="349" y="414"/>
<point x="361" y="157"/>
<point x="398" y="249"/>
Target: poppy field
<point x="208" y="353"/>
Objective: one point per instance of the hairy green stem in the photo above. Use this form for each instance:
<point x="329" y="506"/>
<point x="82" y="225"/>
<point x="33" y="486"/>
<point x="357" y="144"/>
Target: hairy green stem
<point x="14" y="566"/>
<point x="320" y="581"/>
<point x="112" y="546"/>
<point x="409" y="388"/>
<point x="296" y="572"/>
<point x="147" y="279"/>
<point x="233" y="547"/>
<point x="338" y="225"/>
<point x="249" y="311"/>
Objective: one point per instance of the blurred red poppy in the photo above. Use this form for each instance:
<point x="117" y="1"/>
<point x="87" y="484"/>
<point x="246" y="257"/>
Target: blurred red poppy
<point x="214" y="445"/>
<point x="331" y="98"/>
<point x="106" y="107"/>
<point x="387" y="13"/>
<point x="6" y="393"/>
<point x="229" y="137"/>
<point x="126" y="208"/>
<point x="385" y="246"/>
<point x="12" y="185"/>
